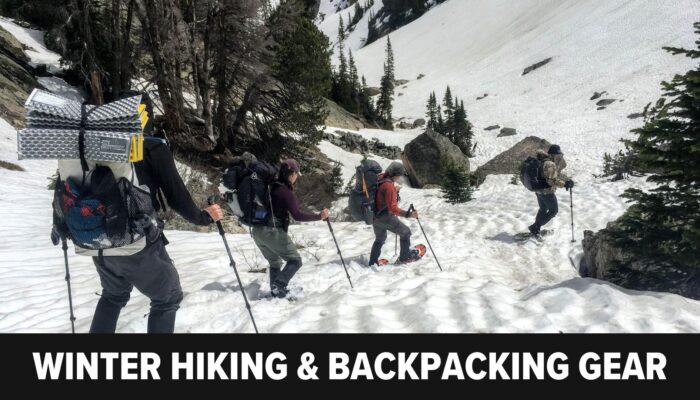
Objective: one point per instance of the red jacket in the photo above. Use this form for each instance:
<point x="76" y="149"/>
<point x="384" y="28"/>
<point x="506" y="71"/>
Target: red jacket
<point x="387" y="198"/>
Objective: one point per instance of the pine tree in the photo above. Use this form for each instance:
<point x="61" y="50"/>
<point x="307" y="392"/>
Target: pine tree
<point x="440" y="123"/>
<point x="432" y="111"/>
<point x="372" y="32"/>
<point x="343" y="65"/>
<point x="663" y="224"/>
<point x="336" y="178"/>
<point x="449" y="110"/>
<point x="384" y="105"/>
<point x="456" y="187"/>
<point x="354" y="80"/>
<point x="462" y="130"/>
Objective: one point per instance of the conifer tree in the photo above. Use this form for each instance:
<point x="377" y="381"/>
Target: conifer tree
<point x="663" y="224"/>
<point x="462" y="130"/>
<point x="456" y="187"/>
<point x="440" y="123"/>
<point x="448" y="109"/>
<point x="384" y="105"/>
<point x="432" y="111"/>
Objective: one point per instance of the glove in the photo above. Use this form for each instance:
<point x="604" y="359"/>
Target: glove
<point x="57" y="233"/>
<point x="569" y="184"/>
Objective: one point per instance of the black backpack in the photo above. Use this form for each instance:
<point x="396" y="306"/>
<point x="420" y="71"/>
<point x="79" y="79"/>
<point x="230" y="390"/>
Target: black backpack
<point x="532" y="174"/>
<point x="363" y="195"/>
<point x="251" y="192"/>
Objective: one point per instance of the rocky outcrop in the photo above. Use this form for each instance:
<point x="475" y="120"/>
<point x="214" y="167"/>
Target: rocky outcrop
<point x="373" y="91"/>
<point x="509" y="162"/>
<point x="338" y="117"/>
<point x="16" y="80"/>
<point x="603" y="259"/>
<point x="605" y="102"/>
<point x="536" y="66"/>
<point x="597" y="95"/>
<point x="507" y="132"/>
<point x="419" y="123"/>
<point x="492" y="127"/>
<point x="404" y="125"/>
<point x="356" y="143"/>
<point x="424" y="155"/>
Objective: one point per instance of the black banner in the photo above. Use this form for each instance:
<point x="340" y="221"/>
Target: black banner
<point x="180" y="363"/>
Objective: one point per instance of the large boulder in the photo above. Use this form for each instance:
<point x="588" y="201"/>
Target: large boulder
<point x="12" y="48"/>
<point x="507" y="132"/>
<point x="338" y="117"/>
<point x="424" y="155"/>
<point x="604" y="259"/>
<point x="355" y="143"/>
<point x="509" y="162"/>
<point x="419" y="123"/>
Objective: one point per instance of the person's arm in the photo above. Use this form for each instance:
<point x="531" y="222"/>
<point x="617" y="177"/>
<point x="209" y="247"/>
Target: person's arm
<point x="552" y="175"/>
<point x="292" y="204"/>
<point x="390" y="199"/>
<point x="168" y="179"/>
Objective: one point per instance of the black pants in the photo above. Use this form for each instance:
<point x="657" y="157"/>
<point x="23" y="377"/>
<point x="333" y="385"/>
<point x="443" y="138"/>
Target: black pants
<point x="549" y="207"/>
<point x="389" y="223"/>
<point x="152" y="272"/>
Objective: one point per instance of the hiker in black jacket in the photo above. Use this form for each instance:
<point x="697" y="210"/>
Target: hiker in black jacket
<point x="150" y="270"/>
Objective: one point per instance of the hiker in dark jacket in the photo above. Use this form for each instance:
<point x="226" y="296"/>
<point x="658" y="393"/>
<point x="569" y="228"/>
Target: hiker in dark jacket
<point x="387" y="213"/>
<point x="150" y="270"/>
<point x="546" y="198"/>
<point x="273" y="240"/>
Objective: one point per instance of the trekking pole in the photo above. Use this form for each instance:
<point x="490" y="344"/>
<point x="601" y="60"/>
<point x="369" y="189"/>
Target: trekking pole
<point x="396" y="244"/>
<point x="571" y="196"/>
<point x="328" y="220"/>
<point x="410" y="209"/>
<point x="211" y="201"/>
<point x="70" y="295"/>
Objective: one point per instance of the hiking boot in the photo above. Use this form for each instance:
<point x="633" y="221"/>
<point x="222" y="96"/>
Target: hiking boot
<point x="279" y="291"/>
<point x="534" y="230"/>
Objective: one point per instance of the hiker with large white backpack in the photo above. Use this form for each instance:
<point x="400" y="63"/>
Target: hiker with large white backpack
<point x="541" y="174"/>
<point x="263" y="199"/>
<point x="109" y="211"/>
<point x="374" y="200"/>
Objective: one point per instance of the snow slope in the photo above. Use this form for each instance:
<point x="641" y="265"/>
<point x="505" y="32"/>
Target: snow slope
<point x="489" y="283"/>
<point x="483" y="46"/>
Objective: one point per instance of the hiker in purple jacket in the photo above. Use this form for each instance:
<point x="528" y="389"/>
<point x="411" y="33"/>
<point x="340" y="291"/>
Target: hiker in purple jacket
<point x="274" y="241"/>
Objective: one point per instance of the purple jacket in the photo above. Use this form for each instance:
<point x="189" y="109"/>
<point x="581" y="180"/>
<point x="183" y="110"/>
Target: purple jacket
<point x="285" y="203"/>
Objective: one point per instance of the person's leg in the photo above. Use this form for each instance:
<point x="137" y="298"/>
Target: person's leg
<point x="154" y="275"/>
<point x="287" y="250"/>
<point x="262" y="237"/>
<point x="115" y="294"/>
<point x="550" y="201"/>
<point x="396" y="226"/>
<point x="379" y="239"/>
<point x="541" y="214"/>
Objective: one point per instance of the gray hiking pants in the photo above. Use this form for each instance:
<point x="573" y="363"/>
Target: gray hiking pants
<point x="152" y="272"/>
<point x="387" y="222"/>
<point x="277" y="247"/>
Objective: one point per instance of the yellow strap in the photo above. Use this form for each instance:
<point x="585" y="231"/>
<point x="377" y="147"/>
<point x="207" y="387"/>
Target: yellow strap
<point x="364" y="186"/>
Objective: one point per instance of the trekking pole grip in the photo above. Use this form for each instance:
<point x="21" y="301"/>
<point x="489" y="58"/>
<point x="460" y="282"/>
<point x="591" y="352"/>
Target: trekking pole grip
<point x="211" y="201"/>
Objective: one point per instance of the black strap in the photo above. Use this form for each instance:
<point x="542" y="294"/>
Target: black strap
<point x="81" y="140"/>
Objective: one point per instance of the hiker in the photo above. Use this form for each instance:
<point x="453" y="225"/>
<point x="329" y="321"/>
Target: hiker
<point x="386" y="216"/>
<point x="546" y="198"/>
<point x="273" y="240"/>
<point x="151" y="270"/>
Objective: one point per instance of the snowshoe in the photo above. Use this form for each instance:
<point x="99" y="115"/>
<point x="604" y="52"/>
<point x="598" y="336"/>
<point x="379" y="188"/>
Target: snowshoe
<point x="521" y="237"/>
<point x="417" y="252"/>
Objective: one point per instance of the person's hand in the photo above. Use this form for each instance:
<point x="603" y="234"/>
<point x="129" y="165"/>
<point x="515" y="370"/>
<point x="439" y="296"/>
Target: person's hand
<point x="325" y="213"/>
<point x="569" y="184"/>
<point x="413" y="214"/>
<point x="215" y="212"/>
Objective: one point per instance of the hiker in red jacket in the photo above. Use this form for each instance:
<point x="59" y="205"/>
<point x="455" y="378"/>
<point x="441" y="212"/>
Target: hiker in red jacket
<point x="386" y="216"/>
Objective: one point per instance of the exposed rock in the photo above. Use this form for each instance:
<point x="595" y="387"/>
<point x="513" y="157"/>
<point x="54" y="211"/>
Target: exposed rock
<point x="600" y="108"/>
<point x="420" y="76"/>
<point x="602" y="259"/>
<point x="404" y="125"/>
<point x="483" y="97"/>
<point x="399" y="82"/>
<point x="10" y="166"/>
<point x="597" y="95"/>
<point x="15" y="85"/>
<point x="12" y="48"/>
<point x="400" y="94"/>
<point x="338" y="117"/>
<point x="492" y="127"/>
<point x="509" y="162"/>
<point x="635" y="115"/>
<point x="419" y="123"/>
<point x="356" y="143"/>
<point x="373" y="91"/>
<point x="605" y="102"/>
<point x="507" y="132"/>
<point x="536" y="66"/>
<point x="424" y="155"/>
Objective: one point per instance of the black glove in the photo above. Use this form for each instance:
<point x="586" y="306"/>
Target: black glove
<point x="569" y="184"/>
<point x="57" y="233"/>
